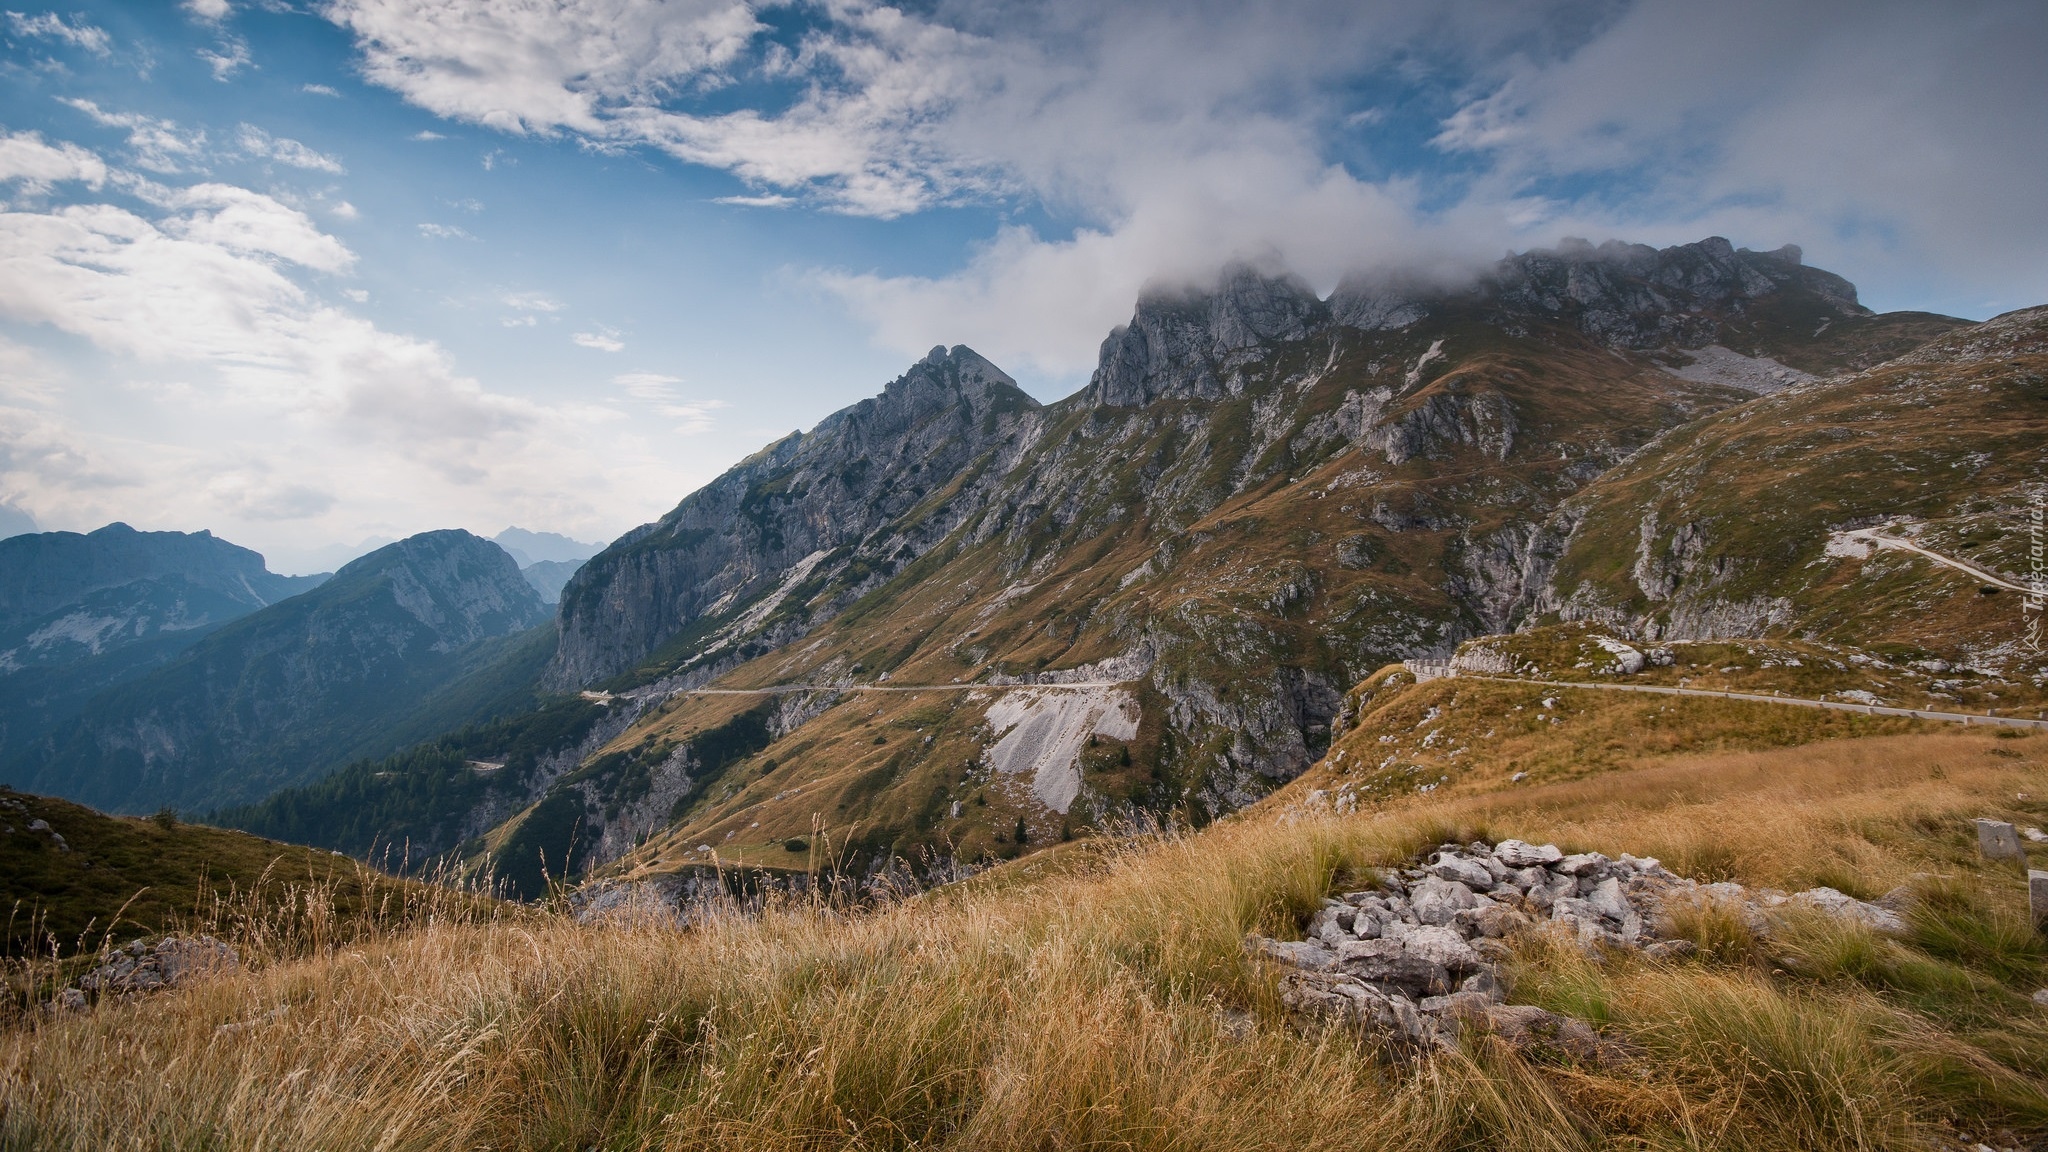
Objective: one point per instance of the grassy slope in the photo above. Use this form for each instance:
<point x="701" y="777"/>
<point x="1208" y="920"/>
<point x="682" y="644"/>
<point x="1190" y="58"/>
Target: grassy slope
<point x="1097" y="995"/>
<point x="1950" y="436"/>
<point x="125" y="877"/>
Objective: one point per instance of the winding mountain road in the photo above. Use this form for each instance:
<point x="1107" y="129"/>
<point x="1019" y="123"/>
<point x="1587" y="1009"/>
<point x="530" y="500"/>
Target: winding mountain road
<point x="1792" y="701"/>
<point x="1899" y="544"/>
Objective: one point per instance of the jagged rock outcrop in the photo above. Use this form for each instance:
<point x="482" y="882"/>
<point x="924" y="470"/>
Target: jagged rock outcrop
<point x="286" y="692"/>
<point x="1622" y="295"/>
<point x="816" y="508"/>
<point x="1190" y="343"/>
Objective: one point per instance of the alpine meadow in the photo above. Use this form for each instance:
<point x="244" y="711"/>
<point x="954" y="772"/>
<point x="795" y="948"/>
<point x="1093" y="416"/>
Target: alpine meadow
<point x="1276" y="673"/>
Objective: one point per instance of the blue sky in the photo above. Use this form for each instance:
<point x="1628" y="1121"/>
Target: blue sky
<point x="309" y="274"/>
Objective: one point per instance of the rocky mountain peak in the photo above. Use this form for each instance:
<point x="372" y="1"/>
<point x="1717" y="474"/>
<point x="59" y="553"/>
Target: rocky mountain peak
<point x="1636" y="296"/>
<point x="461" y="587"/>
<point x="1192" y="343"/>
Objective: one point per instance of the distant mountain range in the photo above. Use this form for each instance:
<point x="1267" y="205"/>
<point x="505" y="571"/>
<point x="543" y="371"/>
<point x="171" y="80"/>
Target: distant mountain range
<point x="82" y="613"/>
<point x="989" y="622"/>
<point x="410" y="640"/>
<point x="1261" y="497"/>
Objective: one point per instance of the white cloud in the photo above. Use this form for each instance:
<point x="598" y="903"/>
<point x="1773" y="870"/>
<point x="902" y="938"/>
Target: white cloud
<point x="647" y="385"/>
<point x="153" y="143"/>
<point x="318" y="90"/>
<point x="211" y="11"/>
<point x="256" y="142"/>
<point x="359" y="295"/>
<point x="531" y="302"/>
<point x="50" y="26"/>
<point x="603" y="340"/>
<point x="37" y="166"/>
<point x="343" y="210"/>
<point x="1891" y="137"/>
<point x="266" y="414"/>
<point x="227" y="58"/>
<point x="444" y="232"/>
<point x="427" y="134"/>
<point x="658" y="391"/>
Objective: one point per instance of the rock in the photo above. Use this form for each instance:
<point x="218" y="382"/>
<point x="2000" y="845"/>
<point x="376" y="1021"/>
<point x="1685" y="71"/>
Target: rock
<point x="166" y="963"/>
<point x="1996" y="839"/>
<point x="1580" y="864"/>
<point x="1847" y="907"/>
<point x="1497" y="921"/>
<point x="1442" y="947"/>
<point x="1293" y="953"/>
<point x="1437" y="901"/>
<point x="1671" y="949"/>
<point x="2037" y="896"/>
<point x="2041" y="997"/>
<point x="1463" y="870"/>
<point x="1606" y="899"/>
<point x="1534" y="1032"/>
<point x="1518" y="854"/>
<point x="1553" y="888"/>
<point x="1390" y="961"/>
<point x="1484" y="983"/>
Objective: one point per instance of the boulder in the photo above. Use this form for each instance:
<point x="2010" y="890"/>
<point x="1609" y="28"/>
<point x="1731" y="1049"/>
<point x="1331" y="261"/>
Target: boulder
<point x="1518" y="854"/>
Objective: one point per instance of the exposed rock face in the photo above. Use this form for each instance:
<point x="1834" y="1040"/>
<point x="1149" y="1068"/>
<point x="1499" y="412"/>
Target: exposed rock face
<point x="1191" y="344"/>
<point x="287" y="691"/>
<point x="1622" y="295"/>
<point x="823" y="504"/>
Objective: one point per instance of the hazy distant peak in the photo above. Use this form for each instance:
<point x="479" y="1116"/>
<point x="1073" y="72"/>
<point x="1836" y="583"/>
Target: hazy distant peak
<point x="528" y="547"/>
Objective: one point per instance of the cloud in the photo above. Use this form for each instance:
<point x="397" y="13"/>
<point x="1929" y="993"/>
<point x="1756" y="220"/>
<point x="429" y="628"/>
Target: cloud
<point x="1899" y="137"/>
<point x="359" y="295"/>
<point x="647" y="385"/>
<point x="50" y="26"/>
<point x="270" y="415"/>
<point x="227" y="58"/>
<point x="37" y="166"/>
<point x="658" y="391"/>
<point x="603" y="340"/>
<point x="318" y="90"/>
<point x="256" y="142"/>
<point x="156" y="144"/>
<point x="211" y="11"/>
<point x="531" y="302"/>
<point x="444" y="232"/>
<point x="1890" y="138"/>
<point x="426" y="134"/>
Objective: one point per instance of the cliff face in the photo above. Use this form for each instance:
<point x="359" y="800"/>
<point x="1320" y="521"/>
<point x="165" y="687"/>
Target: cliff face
<point x="293" y="689"/>
<point x="826" y="510"/>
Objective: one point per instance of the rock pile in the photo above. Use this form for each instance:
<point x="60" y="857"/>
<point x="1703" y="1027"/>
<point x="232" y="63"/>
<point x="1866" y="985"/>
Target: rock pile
<point x="144" y="967"/>
<point x="1418" y="958"/>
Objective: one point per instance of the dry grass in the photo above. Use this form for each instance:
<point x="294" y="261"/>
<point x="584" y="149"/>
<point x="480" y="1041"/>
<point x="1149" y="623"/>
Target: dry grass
<point x="1106" y="1003"/>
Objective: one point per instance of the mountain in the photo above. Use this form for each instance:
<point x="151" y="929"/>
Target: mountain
<point x="1740" y="524"/>
<point x="81" y="613"/>
<point x="812" y="521"/>
<point x="1260" y="497"/>
<point x="549" y="576"/>
<point x="529" y="548"/>
<point x="409" y="640"/>
<point x="14" y="521"/>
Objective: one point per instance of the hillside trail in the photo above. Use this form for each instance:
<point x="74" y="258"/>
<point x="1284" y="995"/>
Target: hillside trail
<point x="1793" y="701"/>
<point x="1899" y="544"/>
